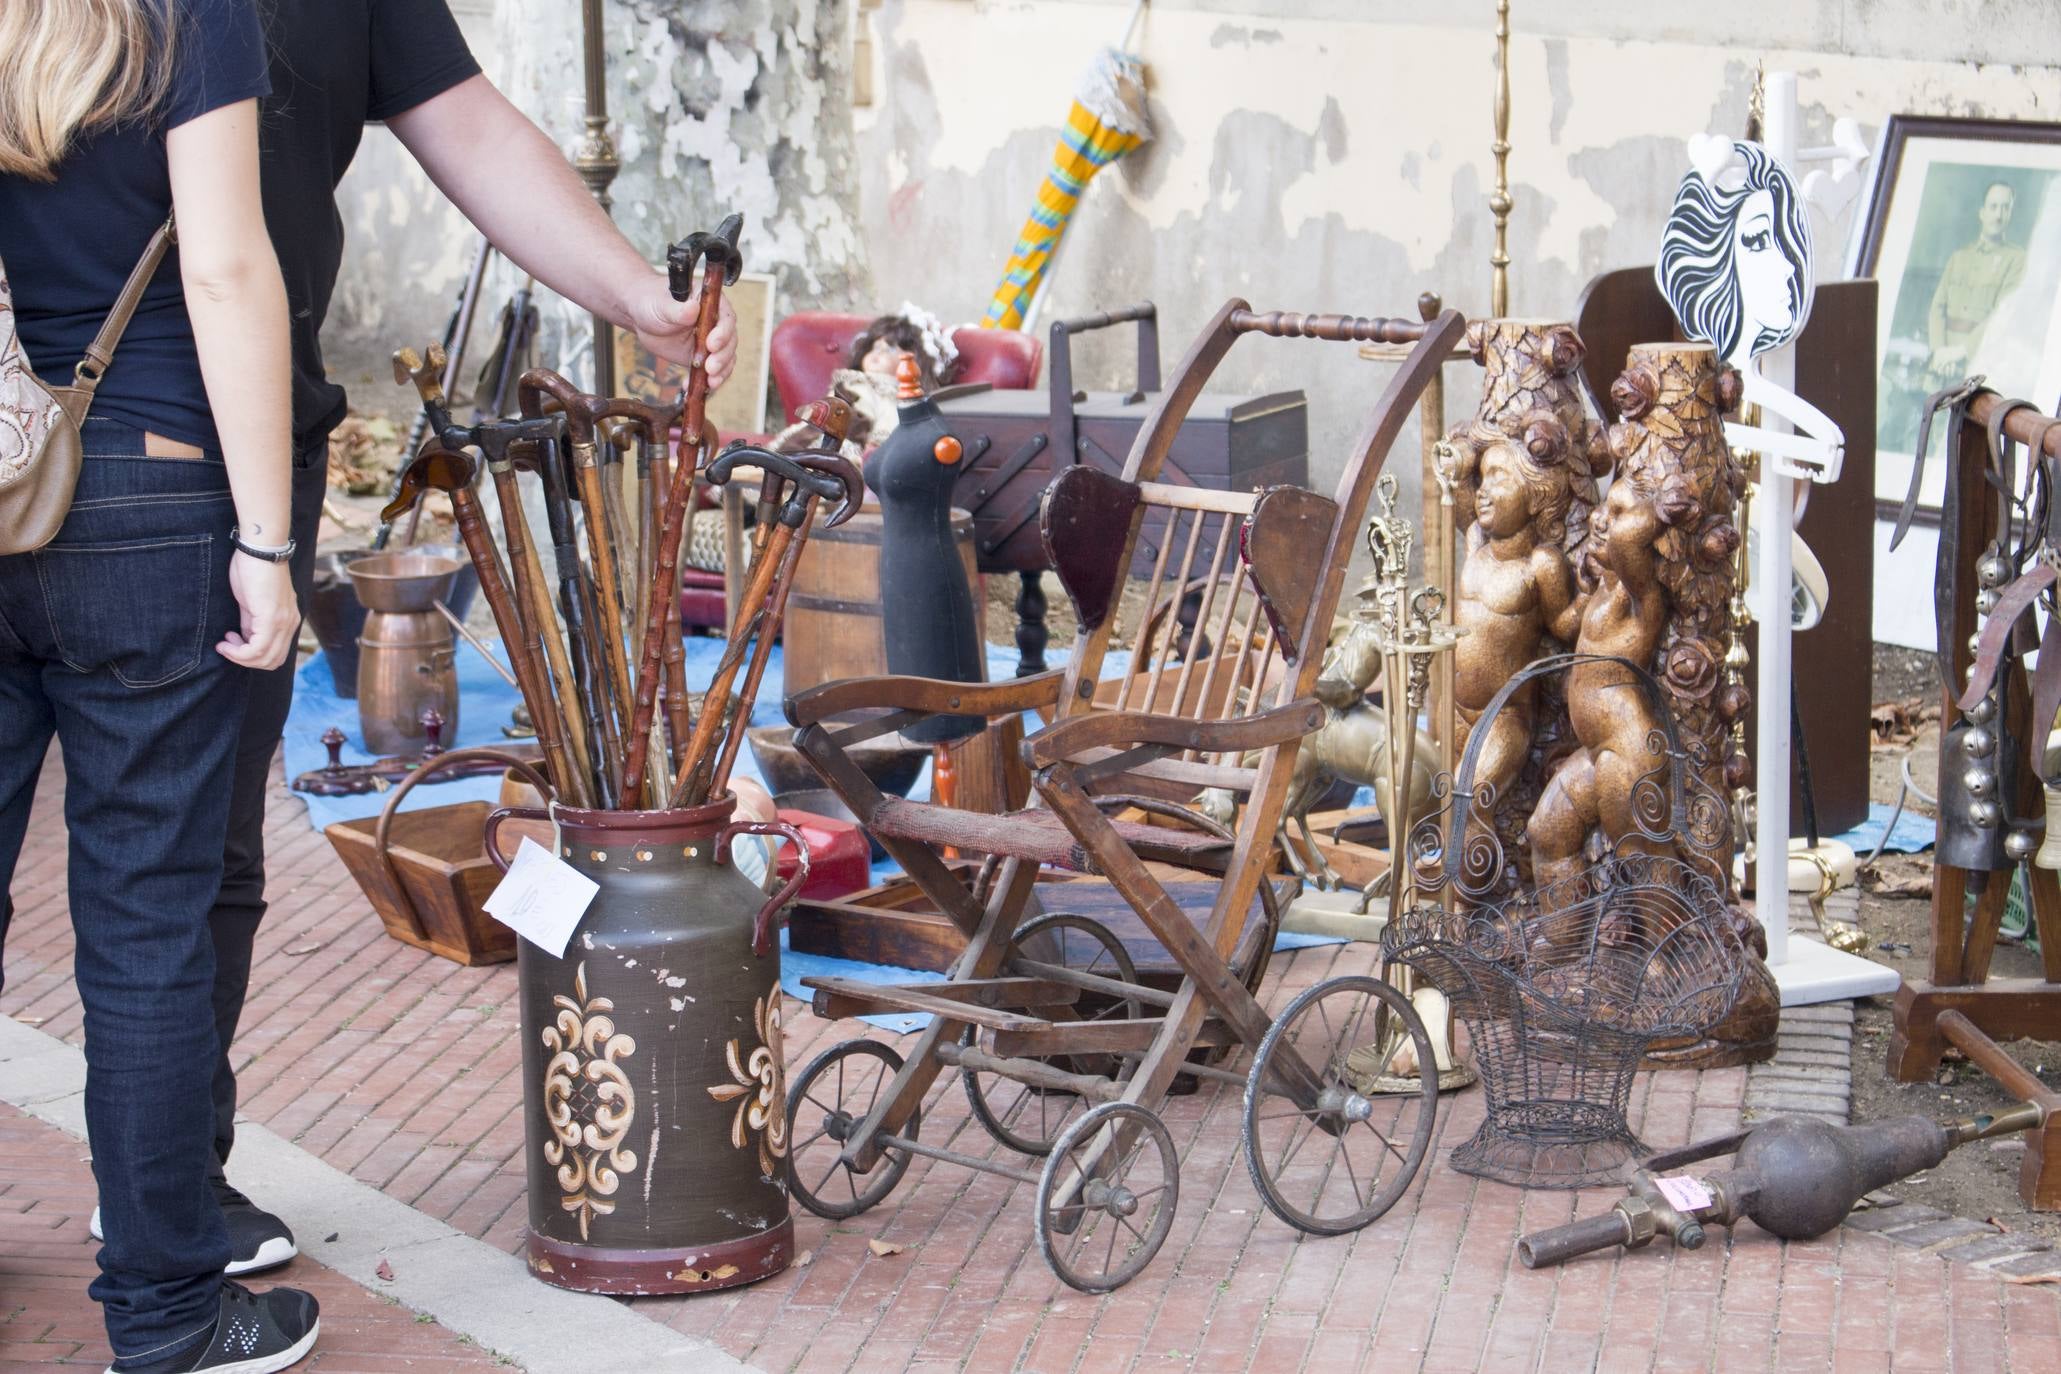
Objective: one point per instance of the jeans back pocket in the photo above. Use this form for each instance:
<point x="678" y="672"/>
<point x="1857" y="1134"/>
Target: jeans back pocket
<point x="140" y="609"/>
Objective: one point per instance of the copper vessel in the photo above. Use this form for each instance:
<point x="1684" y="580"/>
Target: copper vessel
<point x="655" y="1093"/>
<point x="407" y="659"/>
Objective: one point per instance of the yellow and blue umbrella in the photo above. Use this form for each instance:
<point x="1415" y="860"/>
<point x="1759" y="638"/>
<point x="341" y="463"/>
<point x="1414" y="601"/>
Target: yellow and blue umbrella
<point x="1107" y="121"/>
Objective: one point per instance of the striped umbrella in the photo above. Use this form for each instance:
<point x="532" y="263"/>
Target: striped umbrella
<point x="1107" y="121"/>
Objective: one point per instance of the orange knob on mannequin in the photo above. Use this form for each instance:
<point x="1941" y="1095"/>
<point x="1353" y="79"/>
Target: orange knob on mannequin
<point x="947" y="450"/>
<point x="908" y="378"/>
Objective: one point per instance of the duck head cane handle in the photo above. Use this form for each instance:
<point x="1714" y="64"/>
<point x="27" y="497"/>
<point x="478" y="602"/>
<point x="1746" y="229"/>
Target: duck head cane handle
<point x="763" y="938"/>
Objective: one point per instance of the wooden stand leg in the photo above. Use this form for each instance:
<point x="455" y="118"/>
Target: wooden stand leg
<point x="1031" y="635"/>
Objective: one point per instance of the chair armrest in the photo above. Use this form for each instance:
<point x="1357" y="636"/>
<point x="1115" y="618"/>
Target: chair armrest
<point x="931" y="696"/>
<point x="1076" y="735"/>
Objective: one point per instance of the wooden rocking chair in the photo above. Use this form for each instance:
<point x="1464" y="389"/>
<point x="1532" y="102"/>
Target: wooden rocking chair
<point x="1053" y="1004"/>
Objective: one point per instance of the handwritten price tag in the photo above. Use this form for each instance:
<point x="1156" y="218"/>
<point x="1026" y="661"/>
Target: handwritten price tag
<point x="1684" y="1192"/>
<point x="542" y="898"/>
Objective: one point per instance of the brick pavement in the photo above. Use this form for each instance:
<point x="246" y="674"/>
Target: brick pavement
<point x="401" y="1070"/>
<point x="46" y="1260"/>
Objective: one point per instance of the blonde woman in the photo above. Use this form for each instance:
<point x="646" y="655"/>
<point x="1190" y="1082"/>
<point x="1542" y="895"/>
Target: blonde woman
<point x="132" y="635"/>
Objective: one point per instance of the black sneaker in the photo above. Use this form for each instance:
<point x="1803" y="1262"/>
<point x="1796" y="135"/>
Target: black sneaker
<point x="258" y="1241"/>
<point x="254" y="1333"/>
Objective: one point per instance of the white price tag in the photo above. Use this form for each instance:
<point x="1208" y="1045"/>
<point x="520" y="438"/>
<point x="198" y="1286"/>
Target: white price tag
<point x="1684" y="1192"/>
<point x="542" y="898"/>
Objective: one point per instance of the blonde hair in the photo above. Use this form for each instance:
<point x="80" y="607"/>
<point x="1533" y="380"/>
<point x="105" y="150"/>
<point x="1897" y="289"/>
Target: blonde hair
<point x="68" y="67"/>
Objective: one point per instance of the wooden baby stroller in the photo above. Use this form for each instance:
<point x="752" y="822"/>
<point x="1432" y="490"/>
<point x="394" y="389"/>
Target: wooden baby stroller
<point x="1050" y="1007"/>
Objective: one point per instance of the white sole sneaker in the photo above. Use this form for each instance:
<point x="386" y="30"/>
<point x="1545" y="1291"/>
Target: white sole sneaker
<point x="265" y="1364"/>
<point x="271" y="1254"/>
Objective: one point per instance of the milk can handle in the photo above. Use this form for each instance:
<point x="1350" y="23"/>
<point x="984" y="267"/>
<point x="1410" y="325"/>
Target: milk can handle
<point x="507" y="813"/>
<point x="762" y="938"/>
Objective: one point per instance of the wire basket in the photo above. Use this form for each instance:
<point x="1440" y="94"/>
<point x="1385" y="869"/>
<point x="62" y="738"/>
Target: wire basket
<point x="1564" y="987"/>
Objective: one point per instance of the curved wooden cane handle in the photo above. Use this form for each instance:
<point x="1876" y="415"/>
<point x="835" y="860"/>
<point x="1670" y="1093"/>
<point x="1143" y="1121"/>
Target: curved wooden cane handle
<point x="762" y="937"/>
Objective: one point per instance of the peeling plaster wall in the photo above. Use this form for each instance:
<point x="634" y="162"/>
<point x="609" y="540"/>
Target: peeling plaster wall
<point x="1311" y="154"/>
<point x="716" y="105"/>
<point x="1333" y="154"/>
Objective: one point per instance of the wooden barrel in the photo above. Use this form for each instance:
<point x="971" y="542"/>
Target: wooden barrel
<point x="833" y="627"/>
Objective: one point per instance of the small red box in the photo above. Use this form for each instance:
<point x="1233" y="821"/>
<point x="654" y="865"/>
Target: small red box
<point x="840" y="859"/>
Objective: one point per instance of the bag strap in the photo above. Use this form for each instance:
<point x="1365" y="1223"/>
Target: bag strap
<point x="86" y="376"/>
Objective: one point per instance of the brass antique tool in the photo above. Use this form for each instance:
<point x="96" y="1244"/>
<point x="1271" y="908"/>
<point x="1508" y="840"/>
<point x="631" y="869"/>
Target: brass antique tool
<point x="721" y="263"/>
<point x="1795" y="1177"/>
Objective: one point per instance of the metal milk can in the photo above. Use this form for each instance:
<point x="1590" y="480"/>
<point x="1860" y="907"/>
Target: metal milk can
<point x="654" y="1086"/>
<point x="406" y="652"/>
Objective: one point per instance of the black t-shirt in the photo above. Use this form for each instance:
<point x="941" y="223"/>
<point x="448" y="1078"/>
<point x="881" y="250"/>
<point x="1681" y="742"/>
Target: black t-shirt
<point x="335" y="65"/>
<point x="70" y="244"/>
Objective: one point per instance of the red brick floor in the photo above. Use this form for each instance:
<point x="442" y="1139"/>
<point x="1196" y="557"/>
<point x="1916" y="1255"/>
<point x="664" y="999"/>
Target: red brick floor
<point x="401" y="1069"/>
<point x="46" y="1260"/>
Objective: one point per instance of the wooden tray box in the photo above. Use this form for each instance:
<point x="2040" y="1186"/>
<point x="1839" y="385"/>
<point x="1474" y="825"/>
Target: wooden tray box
<point x="445" y="876"/>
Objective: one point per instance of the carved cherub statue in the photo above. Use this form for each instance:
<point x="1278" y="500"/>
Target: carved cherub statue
<point x="1516" y="587"/>
<point x="1625" y="616"/>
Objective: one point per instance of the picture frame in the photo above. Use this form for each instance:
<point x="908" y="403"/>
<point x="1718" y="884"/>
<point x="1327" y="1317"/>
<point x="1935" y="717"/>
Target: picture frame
<point x="1960" y="293"/>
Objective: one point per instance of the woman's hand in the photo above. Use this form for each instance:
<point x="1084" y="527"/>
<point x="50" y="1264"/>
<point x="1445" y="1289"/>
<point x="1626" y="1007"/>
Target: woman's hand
<point x="264" y="593"/>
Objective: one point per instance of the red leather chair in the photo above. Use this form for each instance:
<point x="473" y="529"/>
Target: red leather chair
<point x="810" y="345"/>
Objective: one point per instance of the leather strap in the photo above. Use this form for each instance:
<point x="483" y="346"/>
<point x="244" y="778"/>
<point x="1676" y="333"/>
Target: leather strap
<point x="2003" y="463"/>
<point x="1956" y="396"/>
<point x="86" y="376"/>
<point x="1996" y="631"/>
<point x="1946" y="564"/>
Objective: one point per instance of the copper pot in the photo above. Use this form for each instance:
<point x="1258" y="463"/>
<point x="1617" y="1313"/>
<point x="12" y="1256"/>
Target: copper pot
<point x="407" y="659"/>
<point x="654" y="1084"/>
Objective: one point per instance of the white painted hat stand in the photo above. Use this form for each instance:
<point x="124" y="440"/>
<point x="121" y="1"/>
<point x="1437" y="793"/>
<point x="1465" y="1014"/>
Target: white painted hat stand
<point x="1806" y="970"/>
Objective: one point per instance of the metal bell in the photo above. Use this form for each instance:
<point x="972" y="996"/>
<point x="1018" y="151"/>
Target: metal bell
<point x="1980" y="742"/>
<point x="2020" y="844"/>
<point x="1991" y="570"/>
<point x="1983" y="712"/>
<point x="2049" y="855"/>
<point x="1986" y="600"/>
<point x="1980" y="782"/>
<point x="1987" y="815"/>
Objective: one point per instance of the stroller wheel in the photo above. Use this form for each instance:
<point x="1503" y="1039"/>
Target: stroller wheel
<point x="1026" y="1118"/>
<point x="1106" y="1199"/>
<point x="829" y="1101"/>
<point x="1326" y="1153"/>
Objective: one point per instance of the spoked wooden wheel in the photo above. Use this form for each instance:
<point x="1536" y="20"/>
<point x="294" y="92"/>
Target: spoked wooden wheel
<point x="1106" y="1200"/>
<point x="825" y="1107"/>
<point x="1330" y="1159"/>
<point x="1027" y="1118"/>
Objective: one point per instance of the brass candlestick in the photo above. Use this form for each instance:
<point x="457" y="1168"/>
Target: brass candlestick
<point x="594" y="157"/>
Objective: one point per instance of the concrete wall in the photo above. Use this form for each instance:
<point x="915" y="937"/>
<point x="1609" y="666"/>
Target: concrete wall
<point x="1311" y="154"/>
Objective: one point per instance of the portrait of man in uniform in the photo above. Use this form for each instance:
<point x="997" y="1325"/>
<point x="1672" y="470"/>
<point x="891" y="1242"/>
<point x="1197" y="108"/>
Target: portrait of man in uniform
<point x="1980" y="274"/>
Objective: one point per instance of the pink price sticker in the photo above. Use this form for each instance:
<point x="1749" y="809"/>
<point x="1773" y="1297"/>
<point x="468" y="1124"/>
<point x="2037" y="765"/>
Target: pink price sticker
<point x="1684" y="1192"/>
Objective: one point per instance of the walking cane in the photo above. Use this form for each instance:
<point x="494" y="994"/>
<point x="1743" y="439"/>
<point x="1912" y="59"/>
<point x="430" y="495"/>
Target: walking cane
<point x="831" y="464"/>
<point x="522" y="635"/>
<point x="809" y="486"/>
<point x="722" y="261"/>
<point x="576" y="600"/>
<point x="452" y="472"/>
<point x="582" y="412"/>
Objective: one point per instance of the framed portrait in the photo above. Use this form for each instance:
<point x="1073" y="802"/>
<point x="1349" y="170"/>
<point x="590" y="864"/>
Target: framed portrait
<point x="1962" y="229"/>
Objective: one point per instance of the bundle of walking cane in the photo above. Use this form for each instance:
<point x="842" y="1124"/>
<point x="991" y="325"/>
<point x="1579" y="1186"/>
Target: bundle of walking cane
<point x="606" y="741"/>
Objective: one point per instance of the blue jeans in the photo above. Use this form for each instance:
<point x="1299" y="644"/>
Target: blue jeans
<point x="107" y="641"/>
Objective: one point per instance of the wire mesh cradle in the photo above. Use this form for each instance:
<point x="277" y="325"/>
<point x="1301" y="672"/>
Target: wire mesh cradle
<point x="1564" y="986"/>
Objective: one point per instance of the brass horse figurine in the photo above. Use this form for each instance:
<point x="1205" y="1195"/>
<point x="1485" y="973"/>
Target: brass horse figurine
<point x="1352" y="745"/>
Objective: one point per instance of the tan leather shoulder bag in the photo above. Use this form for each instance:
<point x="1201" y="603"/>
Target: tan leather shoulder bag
<point x="40" y="448"/>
